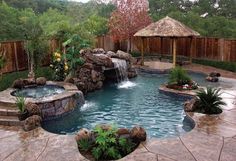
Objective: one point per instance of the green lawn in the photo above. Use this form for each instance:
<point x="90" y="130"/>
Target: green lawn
<point x="9" y="78"/>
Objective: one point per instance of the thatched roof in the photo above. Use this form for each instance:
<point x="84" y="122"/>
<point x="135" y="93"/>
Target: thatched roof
<point x="166" y="27"/>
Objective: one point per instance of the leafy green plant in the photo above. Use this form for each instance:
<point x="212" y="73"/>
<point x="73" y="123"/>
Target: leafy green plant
<point x="209" y="101"/>
<point x="72" y="56"/>
<point x="179" y="76"/>
<point x="108" y="145"/>
<point x="85" y="144"/>
<point x="59" y="67"/>
<point x="20" y="103"/>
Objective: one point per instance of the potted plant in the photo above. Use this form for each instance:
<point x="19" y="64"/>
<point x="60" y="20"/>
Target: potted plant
<point x="20" y="103"/>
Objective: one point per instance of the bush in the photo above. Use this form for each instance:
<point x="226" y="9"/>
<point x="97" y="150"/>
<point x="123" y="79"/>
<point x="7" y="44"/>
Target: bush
<point x="209" y="101"/>
<point x="179" y="77"/>
<point x="59" y="67"/>
<point x="230" y="66"/>
<point x="107" y="145"/>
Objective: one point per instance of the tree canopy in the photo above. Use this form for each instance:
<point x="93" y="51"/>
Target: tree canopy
<point x="61" y="18"/>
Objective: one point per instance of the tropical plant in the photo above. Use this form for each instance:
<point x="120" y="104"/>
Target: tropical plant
<point x="59" y="67"/>
<point x="72" y="56"/>
<point x="179" y="76"/>
<point x="109" y="146"/>
<point x="20" y="103"/>
<point x="85" y="144"/>
<point x="209" y="101"/>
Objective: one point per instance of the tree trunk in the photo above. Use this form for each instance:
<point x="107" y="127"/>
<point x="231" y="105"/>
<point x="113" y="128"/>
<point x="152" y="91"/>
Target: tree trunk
<point x="31" y="67"/>
<point x="129" y="45"/>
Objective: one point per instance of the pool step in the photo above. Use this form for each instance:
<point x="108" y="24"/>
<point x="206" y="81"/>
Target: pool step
<point x="8" y="112"/>
<point x="10" y="121"/>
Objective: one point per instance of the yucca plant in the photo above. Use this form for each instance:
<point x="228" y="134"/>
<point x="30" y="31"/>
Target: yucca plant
<point x="179" y="76"/>
<point x="20" y="103"/>
<point x="210" y="101"/>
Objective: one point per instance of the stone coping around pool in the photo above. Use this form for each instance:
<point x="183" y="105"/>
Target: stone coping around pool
<point x="51" y="106"/>
<point x="189" y="93"/>
<point x="149" y="70"/>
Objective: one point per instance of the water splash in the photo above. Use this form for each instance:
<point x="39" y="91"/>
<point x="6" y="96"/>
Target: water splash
<point x="126" y="85"/>
<point x="87" y="106"/>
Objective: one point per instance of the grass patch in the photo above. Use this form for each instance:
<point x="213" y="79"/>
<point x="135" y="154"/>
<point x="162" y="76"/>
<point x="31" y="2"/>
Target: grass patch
<point x="9" y="78"/>
<point x="229" y="66"/>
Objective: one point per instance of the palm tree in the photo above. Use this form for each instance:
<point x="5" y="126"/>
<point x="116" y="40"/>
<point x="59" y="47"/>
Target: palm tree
<point x="210" y="101"/>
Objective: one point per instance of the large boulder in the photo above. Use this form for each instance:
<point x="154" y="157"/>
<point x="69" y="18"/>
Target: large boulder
<point x="191" y="105"/>
<point x="123" y="131"/>
<point x="18" y="83"/>
<point x="97" y="59"/>
<point x="41" y="81"/>
<point x="120" y="55"/>
<point x="214" y="74"/>
<point x="138" y="134"/>
<point x="32" y="122"/>
<point x="212" y="79"/>
<point x="83" y="134"/>
<point x="21" y="83"/>
<point x="33" y="109"/>
<point x="98" y="51"/>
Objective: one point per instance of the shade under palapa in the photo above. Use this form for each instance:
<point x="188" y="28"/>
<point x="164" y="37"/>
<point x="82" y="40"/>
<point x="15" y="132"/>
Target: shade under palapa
<point x="166" y="27"/>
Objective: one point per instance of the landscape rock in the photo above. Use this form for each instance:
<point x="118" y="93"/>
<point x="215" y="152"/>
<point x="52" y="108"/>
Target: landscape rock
<point x="101" y="59"/>
<point x="120" y="55"/>
<point x="214" y="74"/>
<point x="191" y="105"/>
<point x="69" y="79"/>
<point x="21" y="83"/>
<point x="83" y="134"/>
<point x="99" y="85"/>
<point x="98" y="51"/>
<point x="18" y="83"/>
<point x="29" y="81"/>
<point x="41" y="81"/>
<point x="123" y="131"/>
<point x="32" y="122"/>
<point x="212" y="79"/>
<point x="138" y="134"/>
<point x="33" y="109"/>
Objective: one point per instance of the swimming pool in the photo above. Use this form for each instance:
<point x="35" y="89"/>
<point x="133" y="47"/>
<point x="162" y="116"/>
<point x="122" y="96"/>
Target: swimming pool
<point x="139" y="103"/>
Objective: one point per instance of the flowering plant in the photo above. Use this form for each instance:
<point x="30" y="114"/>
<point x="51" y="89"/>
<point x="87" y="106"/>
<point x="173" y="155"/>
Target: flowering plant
<point x="60" y="67"/>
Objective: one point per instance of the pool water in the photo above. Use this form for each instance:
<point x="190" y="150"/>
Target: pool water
<point x="39" y="91"/>
<point x="139" y="103"/>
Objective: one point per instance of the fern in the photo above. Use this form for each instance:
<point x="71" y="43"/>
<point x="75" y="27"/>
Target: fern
<point x="179" y="76"/>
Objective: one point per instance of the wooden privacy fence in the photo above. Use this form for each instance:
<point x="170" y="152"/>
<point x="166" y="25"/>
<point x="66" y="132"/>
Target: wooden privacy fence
<point x="16" y="57"/>
<point x="203" y="48"/>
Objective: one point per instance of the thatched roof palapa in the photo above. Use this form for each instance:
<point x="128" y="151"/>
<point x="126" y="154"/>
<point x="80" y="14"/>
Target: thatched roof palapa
<point x="167" y="27"/>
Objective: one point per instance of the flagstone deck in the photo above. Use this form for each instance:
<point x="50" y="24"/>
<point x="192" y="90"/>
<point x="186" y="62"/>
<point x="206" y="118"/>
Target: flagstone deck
<point x="212" y="139"/>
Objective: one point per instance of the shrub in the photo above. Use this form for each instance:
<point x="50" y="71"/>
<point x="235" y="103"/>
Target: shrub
<point x="230" y="66"/>
<point x="209" y="101"/>
<point x="107" y="145"/>
<point x="59" y="66"/>
<point x="179" y="76"/>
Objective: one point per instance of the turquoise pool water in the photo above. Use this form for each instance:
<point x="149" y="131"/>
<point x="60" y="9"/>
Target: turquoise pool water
<point x="142" y="104"/>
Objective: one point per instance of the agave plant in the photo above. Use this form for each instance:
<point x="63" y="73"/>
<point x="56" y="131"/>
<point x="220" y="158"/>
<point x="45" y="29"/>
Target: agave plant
<point x="209" y="101"/>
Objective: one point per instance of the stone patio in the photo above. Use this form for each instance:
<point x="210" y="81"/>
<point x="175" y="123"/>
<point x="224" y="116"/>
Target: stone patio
<point x="212" y="139"/>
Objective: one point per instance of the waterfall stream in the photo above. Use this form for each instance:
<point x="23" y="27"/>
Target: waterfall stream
<point x="122" y="74"/>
